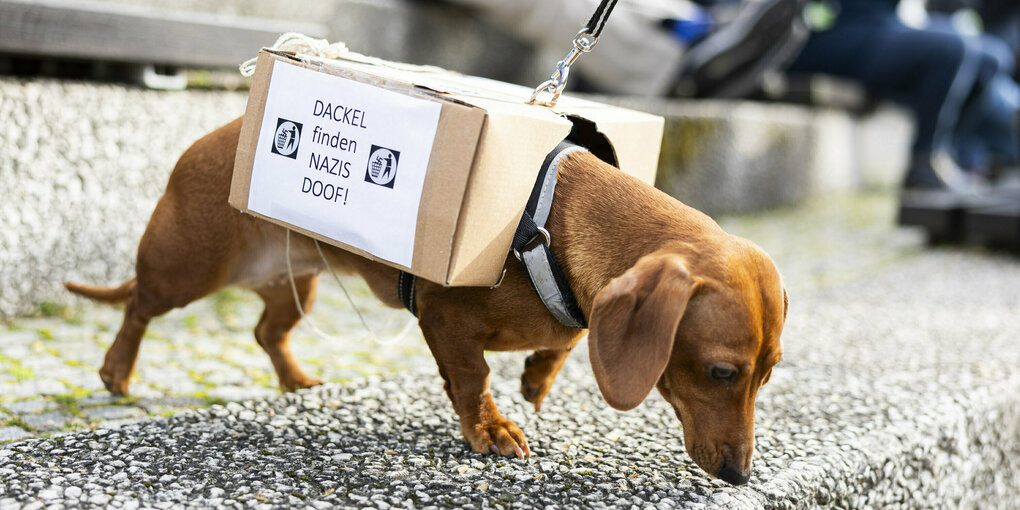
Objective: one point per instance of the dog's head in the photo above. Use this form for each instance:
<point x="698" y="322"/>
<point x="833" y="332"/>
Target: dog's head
<point x="705" y="331"/>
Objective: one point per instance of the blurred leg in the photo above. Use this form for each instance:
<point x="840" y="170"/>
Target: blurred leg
<point x="987" y="131"/>
<point x="930" y="72"/>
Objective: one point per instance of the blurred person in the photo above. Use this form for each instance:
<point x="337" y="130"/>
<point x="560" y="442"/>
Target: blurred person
<point x="954" y="88"/>
<point x="986" y="136"/>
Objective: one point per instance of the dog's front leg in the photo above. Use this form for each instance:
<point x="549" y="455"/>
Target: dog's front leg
<point x="461" y="360"/>
<point x="540" y="371"/>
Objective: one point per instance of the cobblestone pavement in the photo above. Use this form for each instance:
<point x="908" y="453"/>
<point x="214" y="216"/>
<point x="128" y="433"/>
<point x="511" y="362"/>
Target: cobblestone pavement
<point x="193" y="357"/>
<point x="898" y="390"/>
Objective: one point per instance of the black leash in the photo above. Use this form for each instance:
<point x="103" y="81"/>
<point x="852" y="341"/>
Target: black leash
<point x="599" y="19"/>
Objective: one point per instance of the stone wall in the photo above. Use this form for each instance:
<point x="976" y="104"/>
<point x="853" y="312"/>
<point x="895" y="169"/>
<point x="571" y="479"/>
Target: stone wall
<point x="726" y="157"/>
<point x="81" y="168"/>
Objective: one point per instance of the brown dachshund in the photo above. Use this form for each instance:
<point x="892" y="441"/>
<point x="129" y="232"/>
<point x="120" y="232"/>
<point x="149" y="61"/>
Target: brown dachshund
<point x="673" y="302"/>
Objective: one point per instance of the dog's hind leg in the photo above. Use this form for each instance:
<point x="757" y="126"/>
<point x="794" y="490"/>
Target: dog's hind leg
<point x="540" y="371"/>
<point x="177" y="264"/>
<point x="161" y="285"/>
<point x="279" y="318"/>
<point x="119" y="363"/>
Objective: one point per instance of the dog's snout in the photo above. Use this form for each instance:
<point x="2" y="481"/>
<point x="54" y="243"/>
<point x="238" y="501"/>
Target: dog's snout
<point x="732" y="470"/>
<point x="729" y="474"/>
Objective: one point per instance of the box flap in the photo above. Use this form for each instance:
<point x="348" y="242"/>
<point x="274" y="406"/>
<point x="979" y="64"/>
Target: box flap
<point x="636" y="138"/>
<point x="240" y="183"/>
<point x="513" y="146"/>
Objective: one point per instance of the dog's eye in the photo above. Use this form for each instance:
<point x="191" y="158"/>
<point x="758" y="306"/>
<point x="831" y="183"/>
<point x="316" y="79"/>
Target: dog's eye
<point x="722" y="372"/>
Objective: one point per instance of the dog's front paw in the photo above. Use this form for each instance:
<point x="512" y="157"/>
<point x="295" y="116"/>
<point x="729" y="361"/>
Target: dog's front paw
<point x="540" y="371"/>
<point x="534" y="391"/>
<point x="500" y="436"/>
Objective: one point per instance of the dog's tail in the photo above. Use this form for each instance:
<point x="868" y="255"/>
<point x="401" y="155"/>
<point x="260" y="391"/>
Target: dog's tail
<point x="103" y="294"/>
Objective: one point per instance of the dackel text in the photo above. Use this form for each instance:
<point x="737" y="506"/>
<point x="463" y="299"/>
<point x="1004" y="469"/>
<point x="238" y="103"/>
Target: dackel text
<point x="339" y="113"/>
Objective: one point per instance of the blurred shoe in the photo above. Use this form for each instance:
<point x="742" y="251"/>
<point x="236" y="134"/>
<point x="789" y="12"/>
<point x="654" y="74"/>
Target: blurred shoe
<point x="922" y="177"/>
<point x="937" y="195"/>
<point x="1008" y="183"/>
<point x="758" y="35"/>
<point x="954" y="206"/>
<point x="940" y="173"/>
<point x="997" y="223"/>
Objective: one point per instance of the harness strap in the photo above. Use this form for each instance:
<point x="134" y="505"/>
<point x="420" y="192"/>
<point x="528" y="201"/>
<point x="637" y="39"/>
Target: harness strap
<point x="405" y="291"/>
<point x="543" y="270"/>
<point x="531" y="246"/>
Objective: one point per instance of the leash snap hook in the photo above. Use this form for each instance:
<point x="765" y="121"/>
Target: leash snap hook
<point x="583" y="42"/>
<point x="546" y="241"/>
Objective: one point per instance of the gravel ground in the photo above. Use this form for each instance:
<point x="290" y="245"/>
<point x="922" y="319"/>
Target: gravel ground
<point x="898" y="390"/>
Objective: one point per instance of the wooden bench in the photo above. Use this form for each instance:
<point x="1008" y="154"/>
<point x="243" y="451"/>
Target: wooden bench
<point x="75" y="37"/>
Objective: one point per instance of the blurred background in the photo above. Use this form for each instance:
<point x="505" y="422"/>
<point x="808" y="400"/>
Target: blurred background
<point x="768" y="103"/>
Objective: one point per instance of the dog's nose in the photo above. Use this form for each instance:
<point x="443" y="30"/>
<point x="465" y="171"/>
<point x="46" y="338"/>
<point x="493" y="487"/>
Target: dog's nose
<point x="729" y="474"/>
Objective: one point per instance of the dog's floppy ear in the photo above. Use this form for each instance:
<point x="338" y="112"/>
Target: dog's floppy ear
<point x="633" y="322"/>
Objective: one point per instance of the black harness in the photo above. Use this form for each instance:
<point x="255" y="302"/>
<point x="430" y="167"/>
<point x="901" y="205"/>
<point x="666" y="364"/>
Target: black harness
<point x="531" y="247"/>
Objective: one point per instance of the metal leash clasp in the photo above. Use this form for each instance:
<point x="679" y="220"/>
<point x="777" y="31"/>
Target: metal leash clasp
<point x="583" y="43"/>
<point x="546" y="240"/>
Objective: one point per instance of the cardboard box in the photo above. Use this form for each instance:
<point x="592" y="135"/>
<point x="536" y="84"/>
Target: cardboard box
<point x="424" y="170"/>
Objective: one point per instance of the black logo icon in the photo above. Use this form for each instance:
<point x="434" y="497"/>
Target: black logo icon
<point x="382" y="166"/>
<point x="287" y="138"/>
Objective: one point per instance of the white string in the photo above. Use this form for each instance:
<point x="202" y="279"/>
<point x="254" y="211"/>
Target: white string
<point x="321" y="49"/>
<point x="403" y="331"/>
<point x="325" y="336"/>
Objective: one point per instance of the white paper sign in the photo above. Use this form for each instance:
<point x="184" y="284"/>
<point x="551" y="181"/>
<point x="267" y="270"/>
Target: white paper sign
<point x="343" y="159"/>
